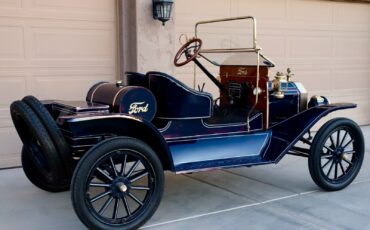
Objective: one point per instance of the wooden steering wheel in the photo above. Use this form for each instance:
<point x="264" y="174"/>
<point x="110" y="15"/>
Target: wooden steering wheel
<point x="190" y="49"/>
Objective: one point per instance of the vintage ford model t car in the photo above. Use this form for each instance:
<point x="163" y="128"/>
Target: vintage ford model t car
<point x="113" y="148"/>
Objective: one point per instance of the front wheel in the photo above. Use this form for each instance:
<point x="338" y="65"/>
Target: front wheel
<point x="336" y="154"/>
<point x="118" y="184"/>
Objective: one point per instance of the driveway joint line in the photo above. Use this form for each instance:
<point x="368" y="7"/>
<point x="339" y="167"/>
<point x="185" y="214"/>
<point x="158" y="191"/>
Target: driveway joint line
<point x="228" y="209"/>
<point x="242" y="207"/>
<point x="263" y="182"/>
<point x="222" y="188"/>
<point x="11" y="167"/>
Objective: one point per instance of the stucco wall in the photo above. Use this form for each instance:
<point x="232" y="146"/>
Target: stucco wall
<point x="153" y="48"/>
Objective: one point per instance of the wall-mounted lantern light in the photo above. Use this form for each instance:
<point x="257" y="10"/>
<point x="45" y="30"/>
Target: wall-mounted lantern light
<point x="162" y="10"/>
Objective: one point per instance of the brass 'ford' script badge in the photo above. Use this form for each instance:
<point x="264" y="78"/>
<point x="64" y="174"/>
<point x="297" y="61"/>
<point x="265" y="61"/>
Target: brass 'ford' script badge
<point x="242" y="71"/>
<point x="138" y="107"/>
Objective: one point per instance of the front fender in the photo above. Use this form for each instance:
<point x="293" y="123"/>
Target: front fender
<point x="286" y="133"/>
<point x="120" y="125"/>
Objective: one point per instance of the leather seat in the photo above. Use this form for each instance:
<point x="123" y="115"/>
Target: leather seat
<point x="175" y="100"/>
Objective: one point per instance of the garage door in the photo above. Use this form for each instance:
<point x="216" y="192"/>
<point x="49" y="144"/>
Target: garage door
<point x="326" y="43"/>
<point x="51" y="49"/>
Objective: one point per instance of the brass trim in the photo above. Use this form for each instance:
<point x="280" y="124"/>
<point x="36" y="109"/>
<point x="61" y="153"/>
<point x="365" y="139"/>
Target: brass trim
<point x="232" y="19"/>
<point x="253" y="49"/>
<point x="276" y="85"/>
<point x="93" y="93"/>
<point x="257" y="94"/>
<point x="231" y="50"/>
<point x="115" y="96"/>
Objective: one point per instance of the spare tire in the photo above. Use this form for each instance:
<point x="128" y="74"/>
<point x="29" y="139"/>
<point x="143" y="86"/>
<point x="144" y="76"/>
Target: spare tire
<point x="55" y="134"/>
<point x="37" y="178"/>
<point x="40" y="147"/>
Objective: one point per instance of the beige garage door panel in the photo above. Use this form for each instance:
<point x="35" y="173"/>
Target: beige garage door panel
<point x="90" y="10"/>
<point x="11" y="45"/>
<point x="81" y="42"/>
<point x="52" y="49"/>
<point x="326" y="43"/>
<point x="56" y="86"/>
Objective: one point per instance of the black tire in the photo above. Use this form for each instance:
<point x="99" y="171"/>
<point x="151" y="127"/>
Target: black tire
<point x="97" y="181"/>
<point x="36" y="178"/>
<point x="338" y="145"/>
<point x="54" y="132"/>
<point x="38" y="143"/>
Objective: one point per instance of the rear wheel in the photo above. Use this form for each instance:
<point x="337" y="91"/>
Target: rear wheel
<point x="54" y="132"/>
<point x="118" y="184"/>
<point x="42" y="157"/>
<point x="37" y="178"/>
<point x="336" y="154"/>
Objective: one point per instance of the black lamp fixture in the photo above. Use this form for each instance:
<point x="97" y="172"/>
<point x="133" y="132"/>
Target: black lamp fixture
<point x="162" y="10"/>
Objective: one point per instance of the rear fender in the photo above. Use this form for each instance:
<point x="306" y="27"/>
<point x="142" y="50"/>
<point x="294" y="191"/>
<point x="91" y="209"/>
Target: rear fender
<point x="120" y="125"/>
<point x="287" y="133"/>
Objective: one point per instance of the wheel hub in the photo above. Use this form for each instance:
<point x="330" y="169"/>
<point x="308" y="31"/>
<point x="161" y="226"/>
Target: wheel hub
<point x="338" y="155"/>
<point x="122" y="187"/>
<point x="119" y="187"/>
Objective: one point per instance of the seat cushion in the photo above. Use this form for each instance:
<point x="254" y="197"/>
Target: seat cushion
<point x="175" y="100"/>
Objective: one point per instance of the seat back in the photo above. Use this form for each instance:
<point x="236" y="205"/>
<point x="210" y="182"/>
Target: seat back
<point x="175" y="100"/>
<point x="136" y="79"/>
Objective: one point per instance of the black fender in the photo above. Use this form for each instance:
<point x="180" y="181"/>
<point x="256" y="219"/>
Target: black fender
<point x="118" y="125"/>
<point x="288" y="132"/>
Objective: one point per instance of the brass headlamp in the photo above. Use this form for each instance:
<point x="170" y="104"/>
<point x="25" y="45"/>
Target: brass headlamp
<point x="276" y="85"/>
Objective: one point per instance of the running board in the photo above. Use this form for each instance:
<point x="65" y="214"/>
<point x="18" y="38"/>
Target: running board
<point x="219" y="152"/>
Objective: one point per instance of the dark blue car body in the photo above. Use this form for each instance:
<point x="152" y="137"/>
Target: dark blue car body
<point x="181" y="133"/>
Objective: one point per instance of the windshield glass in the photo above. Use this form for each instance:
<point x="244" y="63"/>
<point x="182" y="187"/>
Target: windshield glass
<point x="237" y="59"/>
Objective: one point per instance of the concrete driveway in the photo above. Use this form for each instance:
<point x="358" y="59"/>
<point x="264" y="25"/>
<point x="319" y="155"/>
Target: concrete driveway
<point x="279" y="196"/>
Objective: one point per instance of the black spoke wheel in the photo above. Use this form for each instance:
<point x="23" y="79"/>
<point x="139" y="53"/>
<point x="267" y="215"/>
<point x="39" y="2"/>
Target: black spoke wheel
<point x="336" y="154"/>
<point x="118" y="184"/>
